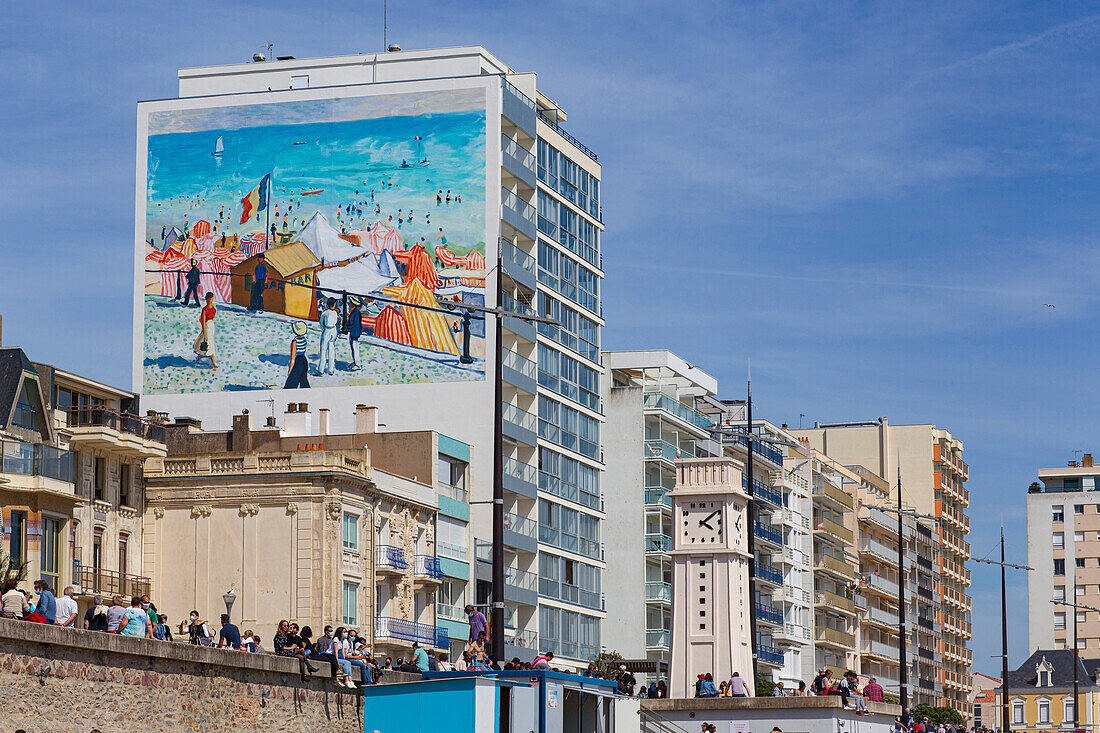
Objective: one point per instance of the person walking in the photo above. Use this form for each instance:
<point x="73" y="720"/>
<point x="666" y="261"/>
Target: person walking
<point x="477" y="620"/>
<point x="136" y="621"/>
<point x="738" y="688"/>
<point x="355" y="331"/>
<point x="192" y="285"/>
<point x="297" y="374"/>
<point x="66" y="609"/>
<point x="204" y="344"/>
<point x="259" y="284"/>
<point x="330" y="322"/>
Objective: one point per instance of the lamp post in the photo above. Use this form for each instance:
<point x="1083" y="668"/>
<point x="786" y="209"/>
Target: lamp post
<point x="228" y="597"/>
<point x="1076" y="663"/>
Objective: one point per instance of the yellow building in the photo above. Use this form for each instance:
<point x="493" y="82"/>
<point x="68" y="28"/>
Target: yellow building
<point x="1040" y="693"/>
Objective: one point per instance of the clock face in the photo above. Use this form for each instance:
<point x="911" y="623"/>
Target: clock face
<point x="701" y="523"/>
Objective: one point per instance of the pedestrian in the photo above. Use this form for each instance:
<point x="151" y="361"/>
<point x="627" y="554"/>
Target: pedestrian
<point x="204" y="344"/>
<point x="477" y="620"/>
<point x="873" y="691"/>
<point x="297" y="375"/>
<point x="355" y="331"/>
<point x="330" y="322"/>
<point x="115" y="615"/>
<point x="259" y="284"/>
<point x="708" y="688"/>
<point x="66" y="609"/>
<point x="47" y="604"/>
<point x="738" y="688"/>
<point x="95" y="618"/>
<point x="136" y="621"/>
<point x="230" y="636"/>
<point x="15" y="604"/>
<point x="192" y="285"/>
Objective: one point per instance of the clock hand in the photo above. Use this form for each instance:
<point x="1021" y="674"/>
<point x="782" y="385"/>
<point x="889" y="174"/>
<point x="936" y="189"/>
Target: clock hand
<point x="706" y="519"/>
<point x="703" y="523"/>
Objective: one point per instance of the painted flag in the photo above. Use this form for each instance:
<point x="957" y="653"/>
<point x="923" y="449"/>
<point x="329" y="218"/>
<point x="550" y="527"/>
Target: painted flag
<point x="256" y="200"/>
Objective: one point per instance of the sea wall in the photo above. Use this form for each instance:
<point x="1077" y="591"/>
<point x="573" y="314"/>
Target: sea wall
<point x="68" y="680"/>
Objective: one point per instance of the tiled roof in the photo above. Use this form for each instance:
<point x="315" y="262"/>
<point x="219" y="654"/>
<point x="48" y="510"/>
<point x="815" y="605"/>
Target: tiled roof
<point x="1061" y="663"/>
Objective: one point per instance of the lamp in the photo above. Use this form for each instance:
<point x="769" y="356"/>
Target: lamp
<point x="229" y="596"/>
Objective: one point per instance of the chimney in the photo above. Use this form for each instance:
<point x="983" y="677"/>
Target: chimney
<point x="240" y="440"/>
<point x="296" y="420"/>
<point x="322" y="421"/>
<point x="366" y="419"/>
<point x="1069" y="464"/>
<point x="1086" y="460"/>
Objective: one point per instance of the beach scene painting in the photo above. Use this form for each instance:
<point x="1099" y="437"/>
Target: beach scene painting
<point x="315" y="243"/>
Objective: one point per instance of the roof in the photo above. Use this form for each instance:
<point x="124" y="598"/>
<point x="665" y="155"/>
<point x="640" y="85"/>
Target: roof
<point x="290" y="258"/>
<point x="13" y="362"/>
<point x="985" y="696"/>
<point x="1061" y="663"/>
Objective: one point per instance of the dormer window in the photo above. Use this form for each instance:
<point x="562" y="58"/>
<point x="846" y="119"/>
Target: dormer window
<point x="1044" y="678"/>
<point x="1044" y="674"/>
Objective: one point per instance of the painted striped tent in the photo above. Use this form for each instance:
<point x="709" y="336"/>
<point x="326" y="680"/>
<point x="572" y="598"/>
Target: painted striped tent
<point x="215" y="266"/>
<point x="253" y="243"/>
<point x="391" y="325"/>
<point x="418" y="266"/>
<point x="427" y="329"/>
<point x="473" y="261"/>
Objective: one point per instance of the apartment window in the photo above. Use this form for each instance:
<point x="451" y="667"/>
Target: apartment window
<point x="1082" y="616"/>
<point x="1044" y="678"/>
<point x="351" y="532"/>
<point x="97" y="548"/>
<point x="1044" y="712"/>
<point x="1067" y="709"/>
<point x="1078" y="536"/>
<point x="1059" y="621"/>
<point x="99" y="487"/>
<point x="17" y="548"/>
<point x="123" y="544"/>
<point x="1057" y="513"/>
<point x="1078" y="508"/>
<point x="1059" y="540"/>
<point x="351" y="603"/>
<point x="51" y="550"/>
<point x="1072" y="484"/>
<point x="452" y="477"/>
<point x="1080" y="562"/>
<point x="1059" y="566"/>
<point x="1081" y="590"/>
<point x="124" y="484"/>
<point x="1018" y="713"/>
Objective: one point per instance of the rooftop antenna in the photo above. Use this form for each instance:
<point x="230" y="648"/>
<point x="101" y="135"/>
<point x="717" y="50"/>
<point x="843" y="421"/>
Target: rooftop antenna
<point x="271" y="418"/>
<point x="1076" y="453"/>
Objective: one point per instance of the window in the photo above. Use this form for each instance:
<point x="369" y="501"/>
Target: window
<point x="123" y="544"/>
<point x="99" y="487"/>
<point x="1079" y="562"/>
<point x="351" y="532"/>
<point x="351" y="603"/>
<point x="299" y="82"/>
<point x="124" y="484"/>
<point x="97" y="548"/>
<point x="1078" y="508"/>
<point x="1072" y="484"/>
<point x="51" y="550"/>
<point x="17" y="548"/>
<point x="1057" y="513"/>
<point x="1059" y="540"/>
<point x="452" y="477"/>
<point x="1082" y="617"/>
<point x="1067" y="708"/>
<point x="1059" y="566"/>
<point x="1044" y="712"/>
<point x="1044" y="678"/>
<point x="1059" y="620"/>
<point x="1078" y="536"/>
<point x="1018" y="713"/>
<point x="1081" y="590"/>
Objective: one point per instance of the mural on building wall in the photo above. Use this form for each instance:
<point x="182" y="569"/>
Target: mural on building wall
<point x="314" y="243"/>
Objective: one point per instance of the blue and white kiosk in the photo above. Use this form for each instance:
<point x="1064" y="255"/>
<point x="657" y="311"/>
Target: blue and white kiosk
<point x="531" y="701"/>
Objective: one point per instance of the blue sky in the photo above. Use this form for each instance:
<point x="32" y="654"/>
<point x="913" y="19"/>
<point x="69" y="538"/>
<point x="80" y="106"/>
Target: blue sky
<point x="873" y="201"/>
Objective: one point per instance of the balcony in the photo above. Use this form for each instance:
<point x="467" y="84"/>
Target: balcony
<point x="520" y="425"/>
<point x="396" y="630"/>
<point x="880" y="649"/>
<point x="830" y="493"/>
<point x="93" y="581"/>
<point x="768" y="533"/>
<point x="834" y="637"/>
<point x="659" y="592"/>
<point x="549" y="588"/>
<point x="761" y="490"/>
<point x="766" y="613"/>
<point x="552" y="123"/>
<point x="880" y="585"/>
<point x="769" y="655"/>
<point x="883" y="552"/>
<point x="390" y="559"/>
<point x="678" y="410"/>
<point x="520" y="371"/>
<point x="518" y="214"/>
<point x="520" y="478"/>
<point x="517" y="160"/>
<point x="661" y="543"/>
<point x="835" y="601"/>
<point x="656" y="497"/>
<point x="664" y="451"/>
<point x="36" y="459"/>
<point x="768" y="574"/>
<point x="521" y="533"/>
<point x="765" y="451"/>
<point x="426" y="568"/>
<point x="657" y="639"/>
<point x="104" y="429"/>
<point x="518" y="107"/>
<point x="882" y="617"/>
<point x="832" y="531"/>
<point x="833" y="566"/>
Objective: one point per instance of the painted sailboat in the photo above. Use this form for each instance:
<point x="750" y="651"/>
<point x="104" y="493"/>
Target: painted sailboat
<point x="219" y="147"/>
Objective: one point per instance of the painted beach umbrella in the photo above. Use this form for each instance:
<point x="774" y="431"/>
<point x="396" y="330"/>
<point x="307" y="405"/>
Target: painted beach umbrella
<point x="418" y="266"/>
<point x="428" y="329"/>
<point x="201" y="229"/>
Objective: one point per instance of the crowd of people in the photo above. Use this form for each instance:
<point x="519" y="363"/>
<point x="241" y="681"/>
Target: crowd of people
<point x="846" y="687"/>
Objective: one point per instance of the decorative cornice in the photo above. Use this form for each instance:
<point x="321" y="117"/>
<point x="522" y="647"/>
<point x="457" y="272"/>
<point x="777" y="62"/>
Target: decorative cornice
<point x="202" y="510"/>
<point x="249" y="510"/>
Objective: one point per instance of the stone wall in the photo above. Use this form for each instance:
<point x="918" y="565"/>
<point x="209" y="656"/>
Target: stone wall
<point x="65" y="680"/>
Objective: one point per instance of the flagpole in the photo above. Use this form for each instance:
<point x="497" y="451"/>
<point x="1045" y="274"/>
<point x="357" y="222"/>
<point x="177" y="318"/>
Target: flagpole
<point x="267" y="209"/>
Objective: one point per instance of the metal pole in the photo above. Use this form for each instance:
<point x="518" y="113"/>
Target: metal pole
<point x="903" y="670"/>
<point x="752" y="530"/>
<point x="1076" y="692"/>
<point x="497" y="614"/>
<point x="1005" y="727"/>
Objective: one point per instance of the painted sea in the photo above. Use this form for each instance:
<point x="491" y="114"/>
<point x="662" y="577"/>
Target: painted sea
<point x="414" y="166"/>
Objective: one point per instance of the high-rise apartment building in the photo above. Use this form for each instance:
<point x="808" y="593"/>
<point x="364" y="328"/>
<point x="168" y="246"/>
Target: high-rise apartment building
<point x="933" y="477"/>
<point x="452" y="155"/>
<point x="1063" y="548"/>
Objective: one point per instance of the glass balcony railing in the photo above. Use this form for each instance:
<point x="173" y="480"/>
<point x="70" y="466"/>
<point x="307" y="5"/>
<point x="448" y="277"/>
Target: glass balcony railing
<point x="521" y="525"/>
<point x="658" y="592"/>
<point x="657" y="638"/>
<point x="36" y="459"/>
<point x="661" y="449"/>
<point x="657" y="495"/>
<point x="523" y="212"/>
<point x="658" y="543"/>
<point x="521" y="579"/>
<point x="102" y="417"/>
<point x="519" y="469"/>
<point x="519" y="417"/>
<point x="661" y="401"/>
<point x="458" y="493"/>
<point x="454" y="552"/>
<point x="570" y="593"/>
<point x="521" y="364"/>
<point x="514" y="150"/>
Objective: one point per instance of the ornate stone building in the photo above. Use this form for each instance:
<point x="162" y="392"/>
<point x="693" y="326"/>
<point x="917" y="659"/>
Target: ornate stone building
<point x="315" y="532"/>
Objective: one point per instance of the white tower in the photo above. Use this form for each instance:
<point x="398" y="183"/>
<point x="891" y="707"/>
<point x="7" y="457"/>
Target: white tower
<point x="710" y="574"/>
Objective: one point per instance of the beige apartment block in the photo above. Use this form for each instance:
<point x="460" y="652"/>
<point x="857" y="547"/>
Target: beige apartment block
<point x="933" y="477"/>
<point x="71" y="456"/>
<point x="319" y="529"/>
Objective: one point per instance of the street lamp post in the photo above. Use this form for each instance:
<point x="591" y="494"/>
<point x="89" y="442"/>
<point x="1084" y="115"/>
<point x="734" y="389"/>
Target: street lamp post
<point x="1076" y="663"/>
<point x="229" y="597"/>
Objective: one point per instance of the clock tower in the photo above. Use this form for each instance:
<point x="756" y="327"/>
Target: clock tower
<point x="710" y="574"/>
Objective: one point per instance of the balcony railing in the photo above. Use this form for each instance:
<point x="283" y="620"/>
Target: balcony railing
<point x="512" y="305"/>
<point x="658" y="592"/>
<point x="658" y="543"/>
<point x="458" y="493"/>
<point x="520" y="417"/>
<point x="661" y="401"/>
<point x="521" y="364"/>
<point x="514" y="150"/>
<point x="108" y="582"/>
<point x="553" y="124"/>
<point x="521" y="579"/>
<point x="769" y="573"/>
<point x="661" y="449"/>
<point x="836" y="565"/>
<point x="522" y="471"/>
<point x="102" y="417"/>
<point x="447" y="611"/>
<point x="655" y="495"/>
<point x="769" y="655"/>
<point x="837" y="495"/>
<point x="880" y="649"/>
<point x="833" y="529"/>
<point x="454" y="552"/>
<point x="570" y="593"/>
<point x="835" y="601"/>
<point x="766" y="532"/>
<point x="657" y="638"/>
<point x="768" y="613"/>
<point x="761" y="490"/>
<point x="36" y="459"/>
<point x="882" y="616"/>
<point x="427" y="566"/>
<point x="388" y="556"/>
<point x="834" y="636"/>
<point x="515" y="205"/>
<point x="761" y="449"/>
<point x="885" y="552"/>
<point x="521" y="525"/>
<point x="386" y="627"/>
<point x="880" y="583"/>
